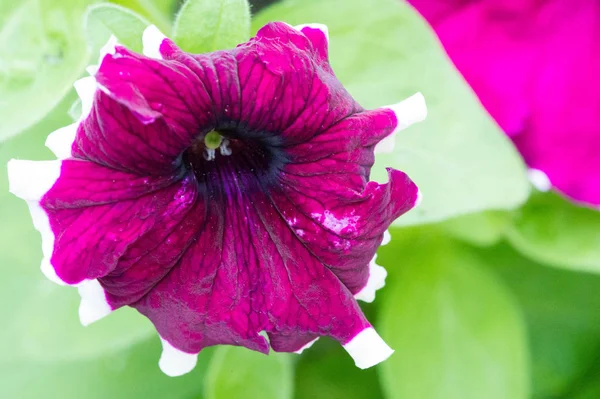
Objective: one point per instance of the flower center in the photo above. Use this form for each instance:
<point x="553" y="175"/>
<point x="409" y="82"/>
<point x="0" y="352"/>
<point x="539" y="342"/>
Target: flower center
<point x="212" y="141"/>
<point x="229" y="160"/>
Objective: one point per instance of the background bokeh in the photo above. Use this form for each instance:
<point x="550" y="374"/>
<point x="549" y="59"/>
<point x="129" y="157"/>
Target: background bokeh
<point x="492" y="293"/>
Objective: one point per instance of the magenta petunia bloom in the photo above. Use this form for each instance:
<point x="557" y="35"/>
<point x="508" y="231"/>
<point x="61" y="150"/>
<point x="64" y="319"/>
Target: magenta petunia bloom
<point x="223" y="195"/>
<point x="534" y="66"/>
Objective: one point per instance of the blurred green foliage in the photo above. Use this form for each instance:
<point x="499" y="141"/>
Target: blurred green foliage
<point x="458" y="331"/>
<point x="471" y="307"/>
<point x="562" y="313"/>
<point x="103" y="20"/>
<point x="203" y="26"/>
<point x="271" y="376"/>
<point x="42" y="51"/>
<point x="554" y="231"/>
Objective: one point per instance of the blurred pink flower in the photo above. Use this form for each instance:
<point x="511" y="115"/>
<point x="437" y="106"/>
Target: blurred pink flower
<point x="533" y="64"/>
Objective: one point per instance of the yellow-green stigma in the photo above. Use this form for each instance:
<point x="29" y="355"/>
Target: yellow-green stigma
<point x="213" y="140"/>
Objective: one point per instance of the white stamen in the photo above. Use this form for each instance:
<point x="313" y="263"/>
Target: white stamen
<point x="539" y="180"/>
<point x="151" y="41"/>
<point x="368" y="349"/>
<point x="209" y="154"/>
<point x="174" y="362"/>
<point x="408" y="112"/>
<point x="224" y="148"/>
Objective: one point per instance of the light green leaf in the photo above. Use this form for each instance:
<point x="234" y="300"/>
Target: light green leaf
<point x="456" y="330"/>
<point x="42" y="52"/>
<point x="48" y="327"/>
<point x="554" y="231"/>
<point x="75" y="110"/>
<point x="103" y="20"/>
<point x="130" y="374"/>
<point x="40" y="318"/>
<point x="236" y="372"/>
<point x="481" y="229"/>
<point x="327" y="372"/>
<point x="382" y="51"/>
<point x="562" y="311"/>
<point x="158" y="12"/>
<point x="208" y="25"/>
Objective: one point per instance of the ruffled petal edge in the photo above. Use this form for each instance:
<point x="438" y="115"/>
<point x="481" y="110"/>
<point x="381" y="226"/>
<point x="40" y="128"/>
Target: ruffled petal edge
<point x="408" y="112"/>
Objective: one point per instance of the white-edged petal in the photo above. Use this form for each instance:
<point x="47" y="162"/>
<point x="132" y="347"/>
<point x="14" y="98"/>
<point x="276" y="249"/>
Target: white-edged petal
<point x="60" y="141"/>
<point x="377" y="275"/>
<point x="109" y="47"/>
<point x="174" y="362"/>
<point x="367" y="348"/>
<point x="86" y="88"/>
<point x="151" y="41"/>
<point x="93" y="304"/>
<point x="539" y="180"/>
<point x="31" y="180"/>
<point x="305" y="347"/>
<point x="92" y="70"/>
<point x="323" y="28"/>
<point x="419" y="199"/>
<point x="408" y="112"/>
<point x="387" y="237"/>
<point x="46" y="267"/>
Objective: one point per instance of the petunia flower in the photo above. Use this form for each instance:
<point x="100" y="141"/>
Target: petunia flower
<point x="222" y="195"/>
<point x="534" y="66"/>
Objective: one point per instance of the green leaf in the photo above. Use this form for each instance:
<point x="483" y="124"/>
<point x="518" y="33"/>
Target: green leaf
<point x="382" y="51"/>
<point x="456" y="330"/>
<point x="481" y="229"/>
<point x="552" y="230"/>
<point x="131" y="373"/>
<point x="327" y="372"/>
<point x="158" y="12"/>
<point x="589" y="391"/>
<point x="75" y="110"/>
<point x="42" y="52"/>
<point x="208" y="25"/>
<point x="40" y="318"/>
<point x="562" y="311"/>
<point x="236" y="372"/>
<point x="104" y="20"/>
<point x="48" y="327"/>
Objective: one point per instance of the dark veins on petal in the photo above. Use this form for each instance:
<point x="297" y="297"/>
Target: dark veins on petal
<point x="230" y="193"/>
